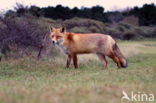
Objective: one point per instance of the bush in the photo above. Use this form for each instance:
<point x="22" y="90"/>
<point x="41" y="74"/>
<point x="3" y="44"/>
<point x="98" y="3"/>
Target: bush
<point x="132" y="20"/>
<point x="24" y="35"/>
<point x="86" y="23"/>
<point x="80" y="30"/>
<point x="94" y="29"/>
<point x="130" y="36"/>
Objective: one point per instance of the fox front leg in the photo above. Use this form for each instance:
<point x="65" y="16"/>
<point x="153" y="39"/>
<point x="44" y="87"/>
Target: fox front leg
<point x="103" y="59"/>
<point x="68" y="61"/>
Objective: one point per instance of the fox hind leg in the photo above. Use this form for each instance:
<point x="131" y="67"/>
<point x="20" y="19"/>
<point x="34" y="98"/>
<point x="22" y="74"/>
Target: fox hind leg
<point x="75" y="61"/>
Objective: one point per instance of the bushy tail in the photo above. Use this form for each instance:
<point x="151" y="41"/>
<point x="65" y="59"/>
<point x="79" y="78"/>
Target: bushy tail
<point x="117" y="52"/>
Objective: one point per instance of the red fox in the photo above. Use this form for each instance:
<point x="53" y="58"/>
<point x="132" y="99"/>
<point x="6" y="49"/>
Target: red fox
<point x="73" y="44"/>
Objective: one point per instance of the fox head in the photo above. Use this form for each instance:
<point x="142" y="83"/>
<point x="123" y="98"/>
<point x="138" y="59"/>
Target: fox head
<point x="56" y="35"/>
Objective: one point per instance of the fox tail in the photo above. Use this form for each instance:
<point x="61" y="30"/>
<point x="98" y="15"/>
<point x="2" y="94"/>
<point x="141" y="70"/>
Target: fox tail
<point x="117" y="52"/>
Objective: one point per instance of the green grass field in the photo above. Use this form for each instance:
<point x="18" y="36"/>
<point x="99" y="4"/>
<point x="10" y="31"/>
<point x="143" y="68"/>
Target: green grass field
<point x="29" y="81"/>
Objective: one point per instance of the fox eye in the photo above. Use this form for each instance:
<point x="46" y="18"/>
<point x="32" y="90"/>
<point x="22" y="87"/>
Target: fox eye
<point x="52" y="36"/>
<point x="59" y="36"/>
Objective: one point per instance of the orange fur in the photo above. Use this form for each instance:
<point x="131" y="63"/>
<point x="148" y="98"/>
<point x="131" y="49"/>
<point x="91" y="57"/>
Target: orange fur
<point x="76" y="43"/>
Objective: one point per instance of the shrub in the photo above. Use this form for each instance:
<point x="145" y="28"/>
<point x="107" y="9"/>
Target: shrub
<point x="133" y="20"/>
<point x="130" y="36"/>
<point x="87" y="23"/>
<point x="80" y="30"/>
<point x="94" y="29"/>
<point x="23" y="35"/>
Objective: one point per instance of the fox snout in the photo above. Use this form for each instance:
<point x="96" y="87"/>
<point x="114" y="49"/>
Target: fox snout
<point x="54" y="41"/>
<point x="58" y="42"/>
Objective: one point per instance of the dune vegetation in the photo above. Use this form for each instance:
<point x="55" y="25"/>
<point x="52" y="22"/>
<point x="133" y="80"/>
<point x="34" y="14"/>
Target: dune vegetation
<point x="26" y="80"/>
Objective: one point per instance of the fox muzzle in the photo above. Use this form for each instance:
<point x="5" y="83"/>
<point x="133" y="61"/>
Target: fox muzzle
<point x="54" y="41"/>
<point x="58" y="42"/>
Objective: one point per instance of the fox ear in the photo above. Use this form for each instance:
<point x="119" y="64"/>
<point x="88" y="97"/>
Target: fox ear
<point x="51" y="28"/>
<point x="63" y="29"/>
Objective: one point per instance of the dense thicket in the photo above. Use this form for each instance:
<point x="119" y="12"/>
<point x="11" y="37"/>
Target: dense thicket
<point x="146" y="13"/>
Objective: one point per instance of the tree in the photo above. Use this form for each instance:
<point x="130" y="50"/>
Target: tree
<point x="146" y="14"/>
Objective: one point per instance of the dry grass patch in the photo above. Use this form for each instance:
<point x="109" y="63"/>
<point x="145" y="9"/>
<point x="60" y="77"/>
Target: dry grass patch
<point x="47" y="81"/>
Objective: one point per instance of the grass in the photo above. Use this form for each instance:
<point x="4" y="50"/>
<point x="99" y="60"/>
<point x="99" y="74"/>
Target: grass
<point x="28" y="81"/>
